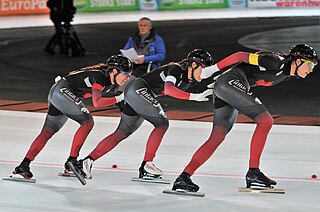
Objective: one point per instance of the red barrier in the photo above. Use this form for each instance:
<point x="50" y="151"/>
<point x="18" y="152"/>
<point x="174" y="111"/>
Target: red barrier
<point x="23" y="7"/>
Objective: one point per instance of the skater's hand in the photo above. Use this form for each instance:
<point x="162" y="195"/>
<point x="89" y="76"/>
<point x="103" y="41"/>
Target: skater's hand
<point x="201" y="97"/>
<point x="120" y="97"/>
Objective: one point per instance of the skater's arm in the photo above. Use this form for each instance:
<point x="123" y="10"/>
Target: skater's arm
<point x="228" y="61"/>
<point x="99" y="101"/>
<point x="235" y="58"/>
<point x="269" y="61"/>
<point x="171" y="90"/>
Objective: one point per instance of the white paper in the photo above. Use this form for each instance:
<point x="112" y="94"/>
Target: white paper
<point x="131" y="54"/>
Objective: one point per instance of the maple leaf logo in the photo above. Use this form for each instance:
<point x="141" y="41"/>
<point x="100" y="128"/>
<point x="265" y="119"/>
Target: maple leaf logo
<point x="262" y="82"/>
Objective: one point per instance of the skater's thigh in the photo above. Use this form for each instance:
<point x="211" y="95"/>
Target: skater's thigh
<point x="63" y="99"/>
<point x="55" y="119"/>
<point x="130" y="121"/>
<point x="235" y="91"/>
<point x="224" y="114"/>
<point x="143" y="102"/>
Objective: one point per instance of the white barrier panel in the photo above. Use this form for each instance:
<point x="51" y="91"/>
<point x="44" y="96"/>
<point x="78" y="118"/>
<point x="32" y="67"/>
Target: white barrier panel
<point x="284" y="4"/>
<point x="237" y="3"/>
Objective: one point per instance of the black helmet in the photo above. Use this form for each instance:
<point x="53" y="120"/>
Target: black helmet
<point x="120" y="63"/>
<point x="304" y="51"/>
<point x="200" y="56"/>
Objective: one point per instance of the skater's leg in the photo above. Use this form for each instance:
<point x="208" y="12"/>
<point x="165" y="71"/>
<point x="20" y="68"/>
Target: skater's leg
<point x="230" y="86"/>
<point x="86" y="124"/>
<point x="251" y="106"/>
<point x="224" y="118"/>
<point x="65" y="100"/>
<point x="81" y="135"/>
<point x="264" y="123"/>
<point x="128" y="125"/>
<point x="160" y="128"/>
<point x="141" y="98"/>
<point x="147" y="167"/>
<point x="53" y="123"/>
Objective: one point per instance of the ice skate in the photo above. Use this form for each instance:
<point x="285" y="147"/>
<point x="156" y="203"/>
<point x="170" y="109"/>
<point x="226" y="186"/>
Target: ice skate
<point x="23" y="170"/>
<point x="255" y="177"/>
<point x="257" y="182"/>
<point x="21" y="173"/>
<point x="67" y="171"/>
<point x="151" y="174"/>
<point x="183" y="182"/>
<point x="86" y="166"/>
<point x="73" y="165"/>
<point x="184" y="186"/>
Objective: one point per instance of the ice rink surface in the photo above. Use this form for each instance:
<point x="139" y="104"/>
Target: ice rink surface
<point x="291" y="157"/>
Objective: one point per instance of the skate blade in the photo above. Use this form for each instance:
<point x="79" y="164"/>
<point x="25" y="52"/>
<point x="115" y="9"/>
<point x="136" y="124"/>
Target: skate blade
<point x="65" y="174"/>
<point x="78" y="175"/>
<point x="262" y="190"/>
<point x="150" y="180"/>
<point x="183" y="192"/>
<point x="19" y="179"/>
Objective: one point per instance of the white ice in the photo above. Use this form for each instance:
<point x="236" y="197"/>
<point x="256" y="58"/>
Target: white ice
<point x="291" y="157"/>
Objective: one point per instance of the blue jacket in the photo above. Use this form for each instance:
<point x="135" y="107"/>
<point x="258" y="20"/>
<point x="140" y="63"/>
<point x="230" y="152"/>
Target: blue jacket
<point x="152" y="48"/>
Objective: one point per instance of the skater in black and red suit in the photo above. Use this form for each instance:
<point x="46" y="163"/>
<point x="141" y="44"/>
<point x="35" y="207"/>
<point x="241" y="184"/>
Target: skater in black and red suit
<point x="65" y="101"/>
<point x="141" y="104"/>
<point x="232" y="94"/>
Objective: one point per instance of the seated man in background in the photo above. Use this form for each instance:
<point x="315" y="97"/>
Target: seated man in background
<point x="150" y="48"/>
<point x="149" y="45"/>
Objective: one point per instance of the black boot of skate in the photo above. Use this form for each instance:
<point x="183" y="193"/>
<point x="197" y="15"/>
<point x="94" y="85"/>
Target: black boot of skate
<point x="142" y="172"/>
<point x="255" y="177"/>
<point x="73" y="165"/>
<point x="185" y="183"/>
<point x="23" y="169"/>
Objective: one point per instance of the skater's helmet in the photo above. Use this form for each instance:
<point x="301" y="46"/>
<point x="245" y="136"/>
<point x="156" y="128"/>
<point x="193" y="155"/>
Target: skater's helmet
<point x="201" y="57"/>
<point x="121" y="63"/>
<point x="304" y="51"/>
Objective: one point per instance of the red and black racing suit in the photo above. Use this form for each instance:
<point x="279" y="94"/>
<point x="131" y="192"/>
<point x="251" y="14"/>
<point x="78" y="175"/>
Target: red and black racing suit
<point x="142" y="104"/>
<point x="65" y="101"/>
<point x="232" y="95"/>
